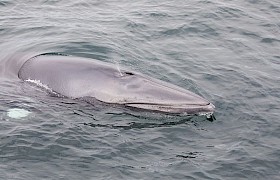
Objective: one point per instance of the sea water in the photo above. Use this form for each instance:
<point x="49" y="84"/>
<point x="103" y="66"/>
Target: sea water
<point x="226" y="51"/>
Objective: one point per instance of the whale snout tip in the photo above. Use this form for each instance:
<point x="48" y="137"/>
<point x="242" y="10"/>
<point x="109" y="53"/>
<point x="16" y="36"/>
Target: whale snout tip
<point x="211" y="107"/>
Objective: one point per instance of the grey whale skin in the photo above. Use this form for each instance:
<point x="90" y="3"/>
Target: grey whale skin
<point x="77" y="77"/>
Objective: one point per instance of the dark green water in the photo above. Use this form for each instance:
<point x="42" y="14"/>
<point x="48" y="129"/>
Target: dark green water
<point x="225" y="51"/>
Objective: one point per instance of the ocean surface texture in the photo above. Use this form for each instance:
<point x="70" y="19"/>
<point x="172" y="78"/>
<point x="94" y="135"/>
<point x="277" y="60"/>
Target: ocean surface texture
<point x="227" y="51"/>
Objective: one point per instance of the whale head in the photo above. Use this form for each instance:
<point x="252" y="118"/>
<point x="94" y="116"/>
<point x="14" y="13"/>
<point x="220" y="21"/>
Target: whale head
<point x="81" y="78"/>
<point x="139" y="91"/>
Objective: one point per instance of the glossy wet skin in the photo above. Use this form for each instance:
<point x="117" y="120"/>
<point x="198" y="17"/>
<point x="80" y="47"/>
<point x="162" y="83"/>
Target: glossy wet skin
<point x="77" y="77"/>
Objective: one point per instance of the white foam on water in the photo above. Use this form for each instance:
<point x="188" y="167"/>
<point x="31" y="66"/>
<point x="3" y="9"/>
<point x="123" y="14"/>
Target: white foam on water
<point x="38" y="83"/>
<point x="17" y="113"/>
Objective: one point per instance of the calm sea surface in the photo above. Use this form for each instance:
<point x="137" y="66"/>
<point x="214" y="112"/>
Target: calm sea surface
<point x="227" y="51"/>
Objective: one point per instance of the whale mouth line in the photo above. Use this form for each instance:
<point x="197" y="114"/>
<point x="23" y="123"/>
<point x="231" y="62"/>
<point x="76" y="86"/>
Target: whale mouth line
<point x="175" y="108"/>
<point x="163" y="104"/>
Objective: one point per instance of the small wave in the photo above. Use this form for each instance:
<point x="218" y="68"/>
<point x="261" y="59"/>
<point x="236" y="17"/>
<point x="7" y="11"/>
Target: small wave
<point x="269" y="40"/>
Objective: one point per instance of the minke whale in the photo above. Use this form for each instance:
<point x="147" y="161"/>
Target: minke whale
<point x="77" y="77"/>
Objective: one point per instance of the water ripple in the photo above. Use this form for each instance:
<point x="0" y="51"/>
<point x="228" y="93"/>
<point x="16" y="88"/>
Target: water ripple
<point x="225" y="51"/>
